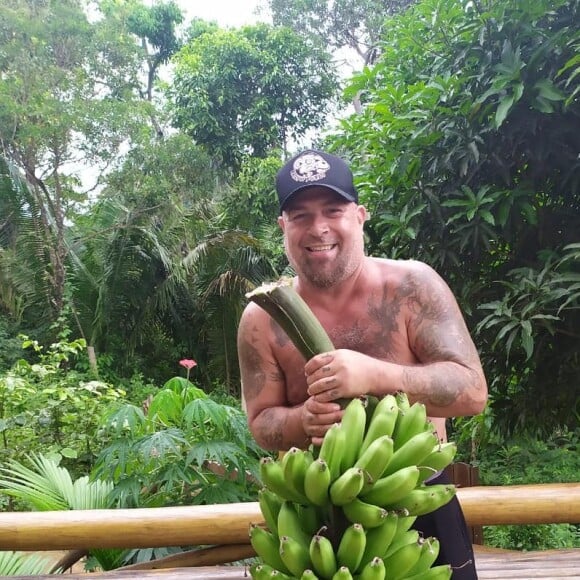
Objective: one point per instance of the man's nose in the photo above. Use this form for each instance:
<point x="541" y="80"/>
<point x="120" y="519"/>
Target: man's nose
<point x="319" y="225"/>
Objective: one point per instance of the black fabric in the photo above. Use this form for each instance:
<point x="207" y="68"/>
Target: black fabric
<point x="448" y="525"/>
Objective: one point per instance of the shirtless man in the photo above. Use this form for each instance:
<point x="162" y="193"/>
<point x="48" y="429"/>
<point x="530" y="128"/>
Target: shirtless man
<point x="395" y="324"/>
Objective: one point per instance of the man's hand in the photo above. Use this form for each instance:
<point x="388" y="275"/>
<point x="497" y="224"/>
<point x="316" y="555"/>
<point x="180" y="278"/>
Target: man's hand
<point x="340" y="374"/>
<point x="318" y="417"/>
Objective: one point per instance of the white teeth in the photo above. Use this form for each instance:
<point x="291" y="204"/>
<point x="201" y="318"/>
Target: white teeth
<point x="320" y="248"/>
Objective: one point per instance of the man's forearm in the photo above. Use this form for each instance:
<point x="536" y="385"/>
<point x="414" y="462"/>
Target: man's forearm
<point x="447" y="389"/>
<point x="279" y="428"/>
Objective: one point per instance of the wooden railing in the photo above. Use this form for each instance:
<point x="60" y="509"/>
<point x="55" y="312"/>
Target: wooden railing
<point x="229" y="523"/>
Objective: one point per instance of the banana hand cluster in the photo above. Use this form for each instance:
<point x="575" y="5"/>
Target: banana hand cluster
<point x="345" y="510"/>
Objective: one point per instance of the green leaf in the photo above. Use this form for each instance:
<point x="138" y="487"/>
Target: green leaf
<point x="547" y="90"/>
<point x="503" y="109"/>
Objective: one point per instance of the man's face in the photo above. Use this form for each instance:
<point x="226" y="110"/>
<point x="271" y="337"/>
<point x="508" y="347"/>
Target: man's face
<point x="323" y="236"/>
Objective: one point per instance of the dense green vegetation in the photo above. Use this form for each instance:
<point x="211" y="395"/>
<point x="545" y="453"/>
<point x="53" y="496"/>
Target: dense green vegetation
<point x="137" y="208"/>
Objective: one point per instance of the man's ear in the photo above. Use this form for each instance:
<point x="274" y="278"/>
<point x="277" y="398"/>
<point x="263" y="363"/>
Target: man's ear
<point x="362" y="213"/>
<point x="281" y="222"/>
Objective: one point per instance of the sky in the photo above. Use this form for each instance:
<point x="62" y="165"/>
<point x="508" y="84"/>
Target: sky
<point x="227" y="13"/>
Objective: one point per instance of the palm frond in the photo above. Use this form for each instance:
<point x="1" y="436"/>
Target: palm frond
<point x="21" y="564"/>
<point x="49" y="487"/>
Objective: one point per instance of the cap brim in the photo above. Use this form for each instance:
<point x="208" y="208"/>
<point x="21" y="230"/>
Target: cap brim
<point x="340" y="192"/>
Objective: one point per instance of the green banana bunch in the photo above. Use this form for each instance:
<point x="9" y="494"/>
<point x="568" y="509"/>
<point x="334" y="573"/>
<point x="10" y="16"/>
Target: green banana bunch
<point x="348" y="512"/>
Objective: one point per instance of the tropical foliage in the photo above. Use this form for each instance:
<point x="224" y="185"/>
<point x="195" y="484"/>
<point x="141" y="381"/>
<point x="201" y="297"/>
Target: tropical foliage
<point x="137" y="208"/>
<point x="467" y="157"/>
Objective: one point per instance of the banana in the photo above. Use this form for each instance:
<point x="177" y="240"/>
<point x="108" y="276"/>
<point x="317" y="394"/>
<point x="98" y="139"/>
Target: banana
<point x="295" y="555"/>
<point x="404" y="522"/>
<point x="408" y="537"/>
<point x="437" y="460"/>
<point x="290" y="523"/>
<point x="270" y="504"/>
<point x="373" y="570"/>
<point x="260" y="571"/>
<point x="392" y="488"/>
<point x="412" y="452"/>
<point x="371" y="403"/>
<point x="317" y="482"/>
<point x="280" y="575"/>
<point x="347" y="486"/>
<point x="343" y="573"/>
<point x="402" y="401"/>
<point x="311" y="518"/>
<point x="272" y="476"/>
<point x="294" y="465"/>
<point x="402" y="560"/>
<point x="332" y="449"/>
<point x="322" y="556"/>
<point x="308" y="574"/>
<point x="366" y="514"/>
<point x="351" y="547"/>
<point x="429" y="553"/>
<point x="379" y="539"/>
<point x="353" y="424"/>
<point x="441" y="572"/>
<point x="382" y="422"/>
<point x="425" y="499"/>
<point x="375" y="458"/>
<point x="267" y="547"/>
<point x="409" y="423"/>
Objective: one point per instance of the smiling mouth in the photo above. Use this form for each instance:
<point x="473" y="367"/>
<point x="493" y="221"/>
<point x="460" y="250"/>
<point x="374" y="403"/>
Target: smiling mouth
<point x="321" y="248"/>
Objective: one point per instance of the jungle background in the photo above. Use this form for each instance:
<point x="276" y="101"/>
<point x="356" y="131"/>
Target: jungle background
<point x="137" y="208"/>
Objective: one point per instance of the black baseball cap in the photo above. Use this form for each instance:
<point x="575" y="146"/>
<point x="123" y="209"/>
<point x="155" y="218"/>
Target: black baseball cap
<point x="312" y="168"/>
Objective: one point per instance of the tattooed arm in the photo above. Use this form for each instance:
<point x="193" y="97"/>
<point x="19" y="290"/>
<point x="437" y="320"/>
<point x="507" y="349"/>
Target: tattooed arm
<point x="274" y="424"/>
<point x="437" y="365"/>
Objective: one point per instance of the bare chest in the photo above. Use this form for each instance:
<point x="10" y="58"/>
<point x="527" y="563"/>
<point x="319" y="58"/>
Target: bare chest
<point x="376" y="331"/>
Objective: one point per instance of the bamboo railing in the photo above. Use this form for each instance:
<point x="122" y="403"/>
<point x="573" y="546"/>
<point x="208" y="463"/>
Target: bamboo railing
<point x="229" y="523"/>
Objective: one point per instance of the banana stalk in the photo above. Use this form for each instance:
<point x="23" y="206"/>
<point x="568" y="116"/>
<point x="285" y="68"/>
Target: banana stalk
<point x="290" y="311"/>
<point x="281" y="301"/>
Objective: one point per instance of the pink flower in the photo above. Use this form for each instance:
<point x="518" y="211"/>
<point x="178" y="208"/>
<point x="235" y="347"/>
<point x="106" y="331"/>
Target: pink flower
<point x="187" y="363"/>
